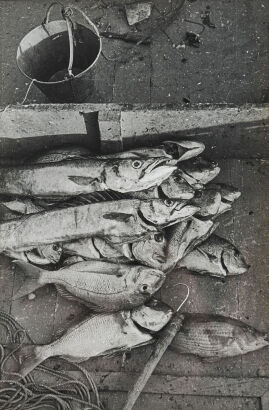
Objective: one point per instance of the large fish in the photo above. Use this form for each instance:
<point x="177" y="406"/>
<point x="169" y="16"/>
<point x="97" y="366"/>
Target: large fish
<point x="75" y="177"/>
<point x="42" y="255"/>
<point x="161" y="250"/>
<point x="103" y="286"/>
<point x="216" y="257"/>
<point x="118" y="221"/>
<point x="215" y="337"/>
<point x="176" y="150"/>
<point x="99" y="335"/>
<point x="198" y="172"/>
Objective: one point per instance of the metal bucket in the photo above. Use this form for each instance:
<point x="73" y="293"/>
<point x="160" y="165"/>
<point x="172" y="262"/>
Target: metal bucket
<point x="59" y="56"/>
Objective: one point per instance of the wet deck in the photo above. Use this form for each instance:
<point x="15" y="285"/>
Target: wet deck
<point x="238" y="138"/>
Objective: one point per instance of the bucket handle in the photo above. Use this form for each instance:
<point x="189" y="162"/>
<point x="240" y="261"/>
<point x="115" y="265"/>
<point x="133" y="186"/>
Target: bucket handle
<point x="67" y="11"/>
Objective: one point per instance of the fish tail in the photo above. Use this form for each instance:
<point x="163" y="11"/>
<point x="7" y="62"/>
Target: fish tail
<point x="28" y="358"/>
<point x="32" y="276"/>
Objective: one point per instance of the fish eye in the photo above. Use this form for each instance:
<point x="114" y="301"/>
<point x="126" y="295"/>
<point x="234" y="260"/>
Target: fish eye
<point x="158" y="237"/>
<point x="55" y="247"/>
<point x="169" y="202"/>
<point x="144" y="288"/>
<point x="137" y="164"/>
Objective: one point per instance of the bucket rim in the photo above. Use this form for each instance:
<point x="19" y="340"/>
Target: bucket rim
<point x="65" y="80"/>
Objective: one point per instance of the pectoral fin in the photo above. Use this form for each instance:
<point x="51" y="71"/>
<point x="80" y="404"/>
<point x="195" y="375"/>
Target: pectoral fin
<point x="83" y="180"/>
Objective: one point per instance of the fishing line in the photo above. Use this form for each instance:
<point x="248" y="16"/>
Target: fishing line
<point x="186" y="297"/>
<point x="28" y="394"/>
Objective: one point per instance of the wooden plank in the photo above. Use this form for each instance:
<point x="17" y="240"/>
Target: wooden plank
<point x="186" y="385"/>
<point x="227" y="132"/>
<point x="265" y="401"/>
<point x="115" y="401"/>
<point x="33" y="128"/>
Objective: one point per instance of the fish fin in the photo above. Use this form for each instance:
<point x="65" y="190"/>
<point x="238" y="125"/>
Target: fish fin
<point x="32" y="276"/>
<point x="82" y="180"/>
<point x="118" y="216"/>
<point x="27" y="359"/>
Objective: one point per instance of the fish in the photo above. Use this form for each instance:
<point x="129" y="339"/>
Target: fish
<point x="174" y="187"/>
<point x="198" y="172"/>
<point x="228" y="195"/>
<point x="184" y="237"/>
<point x="209" y="201"/>
<point x="176" y="150"/>
<point x="228" y="192"/>
<point x="215" y="257"/>
<point x="215" y="337"/>
<point x="118" y="221"/>
<point x="98" y="335"/>
<point x="160" y="250"/>
<point x="153" y="315"/>
<point x="75" y="177"/>
<point x="61" y="154"/>
<point x="42" y="255"/>
<point x="102" y="286"/>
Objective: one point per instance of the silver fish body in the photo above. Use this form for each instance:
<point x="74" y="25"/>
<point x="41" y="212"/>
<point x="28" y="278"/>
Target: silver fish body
<point x="76" y="177"/>
<point x="210" y="336"/>
<point x="118" y="221"/>
<point x="183" y="237"/>
<point x="160" y="250"/>
<point x="216" y="257"/>
<point x="99" y="335"/>
<point x="198" y="172"/>
<point x="62" y="154"/>
<point x="102" y="286"/>
<point x="208" y="201"/>
<point x="43" y="254"/>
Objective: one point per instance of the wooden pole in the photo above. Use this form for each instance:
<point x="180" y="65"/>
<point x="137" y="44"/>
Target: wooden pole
<point x="161" y="345"/>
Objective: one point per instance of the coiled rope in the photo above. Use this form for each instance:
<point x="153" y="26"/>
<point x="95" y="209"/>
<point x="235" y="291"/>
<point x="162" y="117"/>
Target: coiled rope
<point x="27" y="393"/>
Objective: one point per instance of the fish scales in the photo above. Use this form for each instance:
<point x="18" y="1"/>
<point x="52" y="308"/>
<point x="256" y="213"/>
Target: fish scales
<point x="118" y="221"/>
<point x="217" y="336"/>
<point x="81" y="176"/>
<point x="96" y="336"/>
<point x="103" y="286"/>
<point x="72" y="223"/>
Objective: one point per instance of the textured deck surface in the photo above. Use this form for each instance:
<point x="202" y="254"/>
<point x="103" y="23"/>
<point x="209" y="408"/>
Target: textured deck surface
<point x="245" y="297"/>
<point x="229" y="66"/>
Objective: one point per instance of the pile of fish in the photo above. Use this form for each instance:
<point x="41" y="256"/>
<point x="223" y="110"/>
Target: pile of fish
<point x="106" y="230"/>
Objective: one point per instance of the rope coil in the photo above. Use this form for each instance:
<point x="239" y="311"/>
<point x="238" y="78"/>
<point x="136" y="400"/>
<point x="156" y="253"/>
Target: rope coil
<point x="27" y="394"/>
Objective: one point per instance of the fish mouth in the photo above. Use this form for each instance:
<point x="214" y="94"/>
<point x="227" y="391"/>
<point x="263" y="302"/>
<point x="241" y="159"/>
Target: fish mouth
<point x="158" y="170"/>
<point x="183" y="150"/>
